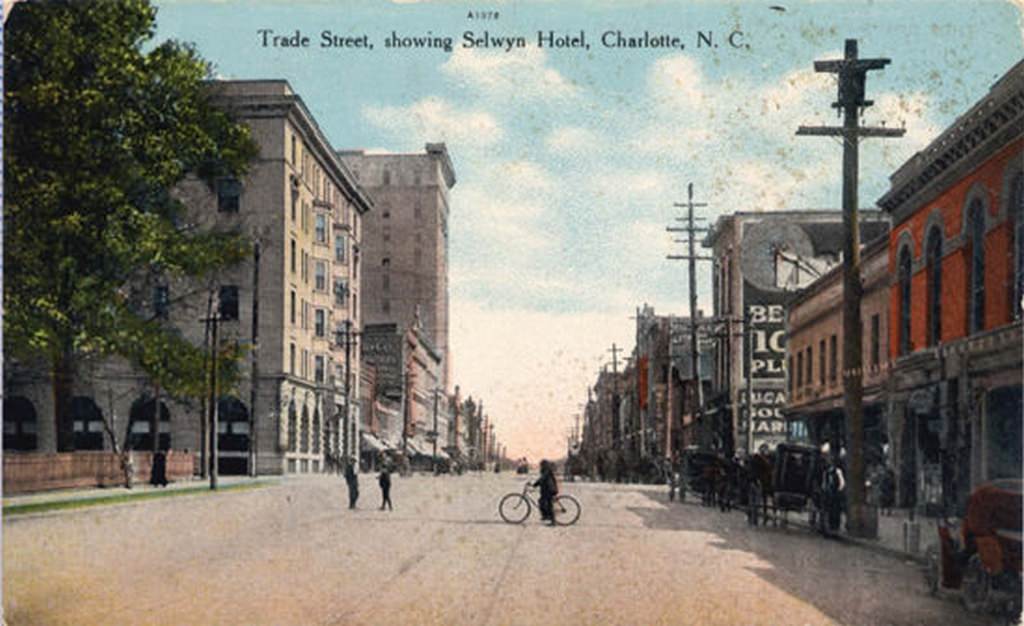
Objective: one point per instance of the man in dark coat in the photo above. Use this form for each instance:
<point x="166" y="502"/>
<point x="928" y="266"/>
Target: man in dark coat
<point x="158" y="473"/>
<point x="352" y="480"/>
<point x="384" y="480"/>
<point x="548" y="490"/>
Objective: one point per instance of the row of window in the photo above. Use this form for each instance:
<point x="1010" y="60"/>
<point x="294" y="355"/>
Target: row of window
<point x="802" y="375"/>
<point x="974" y="244"/>
<point x="319" y="365"/>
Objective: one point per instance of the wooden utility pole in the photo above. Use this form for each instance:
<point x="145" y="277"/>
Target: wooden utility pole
<point x="692" y="229"/>
<point x="615" y="350"/>
<point x="852" y="74"/>
<point x="255" y="362"/>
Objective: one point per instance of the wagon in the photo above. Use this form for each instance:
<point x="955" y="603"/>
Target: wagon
<point x="794" y="477"/>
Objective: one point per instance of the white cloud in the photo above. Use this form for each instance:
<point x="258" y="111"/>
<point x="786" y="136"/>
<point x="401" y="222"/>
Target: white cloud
<point x="522" y="73"/>
<point x="432" y="118"/>
<point x="677" y="80"/>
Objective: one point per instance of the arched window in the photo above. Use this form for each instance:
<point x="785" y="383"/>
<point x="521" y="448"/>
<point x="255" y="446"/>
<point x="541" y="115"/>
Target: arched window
<point x="976" y="243"/>
<point x="87" y="424"/>
<point x="1016" y="214"/>
<point x="304" y="431"/>
<point x="140" y="436"/>
<point x="19" y="425"/>
<point x="316" y="430"/>
<point x="903" y="271"/>
<point x="933" y="257"/>
<point x="293" y="425"/>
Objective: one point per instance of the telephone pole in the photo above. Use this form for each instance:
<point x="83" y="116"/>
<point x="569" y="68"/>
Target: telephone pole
<point x="852" y="75"/>
<point x="615" y="350"/>
<point x="692" y="229"/>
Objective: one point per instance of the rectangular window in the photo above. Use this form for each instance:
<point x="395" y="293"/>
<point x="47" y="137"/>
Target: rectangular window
<point x="789" y="371"/>
<point x="321" y="276"/>
<point x="876" y="340"/>
<point x="291" y="359"/>
<point x="295" y="204"/>
<point x="228" y="192"/>
<point x="321" y="228"/>
<point x="339" y="248"/>
<point x="319" y="322"/>
<point x="293" y="307"/>
<point x="295" y="158"/>
<point x="318" y="368"/>
<point x="305" y="323"/>
<point x="385" y="306"/>
<point x="833" y="366"/>
<point x="229" y="302"/>
<point x="305" y="363"/>
<point x="810" y="366"/>
<point x="161" y="301"/>
<point x="341" y="292"/>
<point x="821" y="362"/>
<point x="799" y="369"/>
<point x="293" y="256"/>
<point x="305" y="267"/>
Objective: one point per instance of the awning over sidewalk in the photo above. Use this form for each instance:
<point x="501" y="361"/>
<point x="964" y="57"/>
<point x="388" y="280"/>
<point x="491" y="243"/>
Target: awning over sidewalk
<point x="372" y="443"/>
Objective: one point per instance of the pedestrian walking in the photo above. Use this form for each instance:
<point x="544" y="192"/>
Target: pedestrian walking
<point x="384" y="480"/>
<point x="352" y="480"/>
<point x="548" y="484"/>
<point x="158" y="473"/>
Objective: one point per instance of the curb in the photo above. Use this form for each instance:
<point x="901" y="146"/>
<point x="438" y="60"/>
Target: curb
<point x="870" y="545"/>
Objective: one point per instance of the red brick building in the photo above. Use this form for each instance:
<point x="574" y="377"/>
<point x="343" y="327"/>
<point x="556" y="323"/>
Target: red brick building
<point x="956" y="252"/>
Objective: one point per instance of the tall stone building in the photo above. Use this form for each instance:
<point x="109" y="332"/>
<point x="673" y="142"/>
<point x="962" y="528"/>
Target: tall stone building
<point x="303" y="210"/>
<point x="405" y="241"/>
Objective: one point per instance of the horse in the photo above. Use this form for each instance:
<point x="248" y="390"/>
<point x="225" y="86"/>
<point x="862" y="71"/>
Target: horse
<point x="761" y="488"/>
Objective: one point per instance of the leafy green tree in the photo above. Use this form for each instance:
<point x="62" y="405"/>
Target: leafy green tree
<point x="100" y="125"/>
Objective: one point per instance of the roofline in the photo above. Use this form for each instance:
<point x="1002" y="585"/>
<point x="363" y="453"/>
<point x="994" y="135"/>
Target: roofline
<point x="299" y="113"/>
<point x="870" y="248"/>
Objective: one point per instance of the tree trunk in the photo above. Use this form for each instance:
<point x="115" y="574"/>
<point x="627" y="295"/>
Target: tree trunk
<point x="63" y="377"/>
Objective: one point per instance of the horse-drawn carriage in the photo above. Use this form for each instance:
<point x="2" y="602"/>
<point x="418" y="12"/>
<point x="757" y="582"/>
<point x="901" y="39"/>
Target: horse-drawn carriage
<point x="711" y="475"/>
<point x="981" y="555"/>
<point x="786" y="480"/>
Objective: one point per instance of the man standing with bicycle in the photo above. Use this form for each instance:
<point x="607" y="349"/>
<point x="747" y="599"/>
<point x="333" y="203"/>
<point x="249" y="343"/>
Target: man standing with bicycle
<point x="548" y="490"/>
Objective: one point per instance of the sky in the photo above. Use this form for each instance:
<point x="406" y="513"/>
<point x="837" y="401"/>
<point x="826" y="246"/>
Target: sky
<point x="569" y="160"/>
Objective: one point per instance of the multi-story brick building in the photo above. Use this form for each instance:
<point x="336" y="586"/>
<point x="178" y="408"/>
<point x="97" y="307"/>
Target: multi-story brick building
<point x="405" y="241"/>
<point x="814" y="356"/>
<point x="760" y="259"/>
<point x="956" y="256"/>
<point x="302" y="209"/>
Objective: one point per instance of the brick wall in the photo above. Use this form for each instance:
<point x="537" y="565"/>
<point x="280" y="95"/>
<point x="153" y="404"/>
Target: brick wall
<point x="26" y="473"/>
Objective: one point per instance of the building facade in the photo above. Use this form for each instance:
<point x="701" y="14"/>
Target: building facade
<point x="814" y="357"/>
<point x="956" y="254"/>
<point x="760" y="260"/>
<point x="405" y="241"/>
<point x="303" y="211"/>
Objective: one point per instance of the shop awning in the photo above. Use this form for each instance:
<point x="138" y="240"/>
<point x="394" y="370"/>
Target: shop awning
<point x="371" y="442"/>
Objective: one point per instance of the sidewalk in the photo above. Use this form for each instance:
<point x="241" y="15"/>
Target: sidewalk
<point x="890" y="535"/>
<point x="138" y="490"/>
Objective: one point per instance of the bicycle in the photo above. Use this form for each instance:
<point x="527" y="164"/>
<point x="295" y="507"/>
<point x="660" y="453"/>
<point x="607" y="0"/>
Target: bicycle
<point x="514" y="508"/>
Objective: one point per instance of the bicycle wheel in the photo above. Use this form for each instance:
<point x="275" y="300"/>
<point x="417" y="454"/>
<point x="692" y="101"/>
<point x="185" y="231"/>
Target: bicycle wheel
<point x="514" y="508"/>
<point x="567" y="510"/>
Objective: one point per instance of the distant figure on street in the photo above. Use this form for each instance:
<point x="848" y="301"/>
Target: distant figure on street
<point x="384" y="480"/>
<point x="548" y="490"/>
<point x="887" y="490"/>
<point x="352" y="480"/>
<point x="158" y="473"/>
<point x="833" y="493"/>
